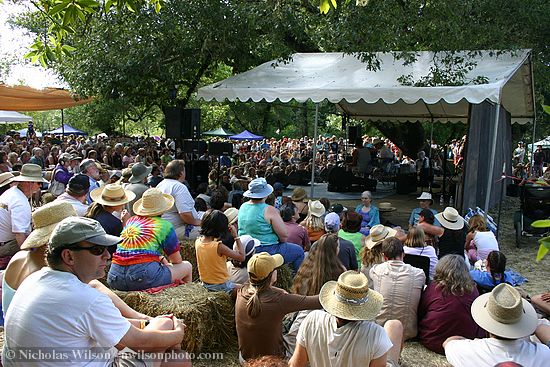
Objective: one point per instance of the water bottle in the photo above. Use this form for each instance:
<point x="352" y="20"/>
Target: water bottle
<point x="441" y="201"/>
<point x="451" y="201"/>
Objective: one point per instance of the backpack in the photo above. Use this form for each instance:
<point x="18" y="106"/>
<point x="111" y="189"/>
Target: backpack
<point x="56" y="188"/>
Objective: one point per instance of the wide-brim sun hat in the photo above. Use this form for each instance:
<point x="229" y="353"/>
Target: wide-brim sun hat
<point x="258" y="188"/>
<point x="232" y="214"/>
<point x="112" y="195"/>
<point x="316" y="208"/>
<point x="378" y="233"/>
<point x="350" y="298"/>
<point x="139" y="172"/>
<point x="450" y="219"/>
<point x="298" y="194"/>
<point x="386" y="207"/>
<point x="44" y="220"/>
<point x="503" y="312"/>
<point x="153" y="203"/>
<point x="6" y="178"/>
<point x="30" y="172"/>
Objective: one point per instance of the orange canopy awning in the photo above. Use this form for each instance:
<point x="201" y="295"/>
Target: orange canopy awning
<point x="22" y="98"/>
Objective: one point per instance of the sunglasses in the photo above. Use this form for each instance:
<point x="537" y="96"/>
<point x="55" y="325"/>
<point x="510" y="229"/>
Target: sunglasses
<point x="96" y="250"/>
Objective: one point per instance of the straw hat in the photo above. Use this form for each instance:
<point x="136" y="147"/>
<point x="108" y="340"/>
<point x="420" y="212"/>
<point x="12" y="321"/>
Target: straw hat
<point x="44" y="220"/>
<point x="316" y="208"/>
<point x="299" y="194"/>
<point x="112" y="195"/>
<point x="378" y="233"/>
<point x="504" y="313"/>
<point x="386" y="207"/>
<point x="232" y="215"/>
<point x="450" y="218"/>
<point x="6" y="178"/>
<point x="258" y="188"/>
<point x="30" y="172"/>
<point x="262" y="264"/>
<point x="350" y="297"/>
<point x="153" y="203"/>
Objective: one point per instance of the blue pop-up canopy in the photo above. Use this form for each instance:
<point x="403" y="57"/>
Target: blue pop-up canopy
<point x="67" y="129"/>
<point x="246" y="135"/>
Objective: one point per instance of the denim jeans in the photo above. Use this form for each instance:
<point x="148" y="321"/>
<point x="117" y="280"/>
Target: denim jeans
<point x="226" y="287"/>
<point x="292" y="253"/>
<point x="139" y="276"/>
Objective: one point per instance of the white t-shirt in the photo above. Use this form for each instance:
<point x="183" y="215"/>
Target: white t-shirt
<point x="80" y="208"/>
<point x="490" y="351"/>
<point x="354" y="344"/>
<point x="55" y="310"/>
<point x="15" y="214"/>
<point x="183" y="201"/>
<point x="485" y="243"/>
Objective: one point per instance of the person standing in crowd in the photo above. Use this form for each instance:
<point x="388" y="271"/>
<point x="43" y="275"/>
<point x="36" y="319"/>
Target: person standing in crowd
<point x="15" y="210"/>
<point x="182" y="215"/>
<point x="538" y="161"/>
<point x="519" y="154"/>
<point x="137" y="185"/>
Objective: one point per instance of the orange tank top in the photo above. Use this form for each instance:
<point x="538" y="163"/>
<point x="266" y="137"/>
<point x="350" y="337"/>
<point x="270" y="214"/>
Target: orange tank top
<point x="212" y="267"/>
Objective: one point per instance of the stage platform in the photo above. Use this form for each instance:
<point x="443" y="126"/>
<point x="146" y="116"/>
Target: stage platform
<point x="382" y="191"/>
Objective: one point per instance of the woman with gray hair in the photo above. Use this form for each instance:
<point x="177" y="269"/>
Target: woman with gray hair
<point x="444" y="308"/>
<point x="369" y="212"/>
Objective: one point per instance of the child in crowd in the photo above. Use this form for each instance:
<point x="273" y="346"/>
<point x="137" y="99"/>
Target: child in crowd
<point x="212" y="254"/>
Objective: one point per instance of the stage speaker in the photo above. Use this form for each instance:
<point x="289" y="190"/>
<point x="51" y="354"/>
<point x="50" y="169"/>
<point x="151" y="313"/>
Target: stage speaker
<point x="354" y="132"/>
<point x="182" y="123"/>
<point x="218" y="148"/>
<point x="196" y="172"/>
<point x="194" y="146"/>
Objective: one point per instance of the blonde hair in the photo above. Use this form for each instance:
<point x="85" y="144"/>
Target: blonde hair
<point x="477" y="223"/>
<point x="416" y="237"/>
<point x="373" y="256"/>
<point x="313" y="222"/>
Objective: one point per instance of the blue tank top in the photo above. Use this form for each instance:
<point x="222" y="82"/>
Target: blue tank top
<point x="252" y="223"/>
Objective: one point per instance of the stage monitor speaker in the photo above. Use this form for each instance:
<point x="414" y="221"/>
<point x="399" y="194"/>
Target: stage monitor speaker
<point x="354" y="132"/>
<point x="218" y="148"/>
<point x="182" y="123"/>
<point x="172" y="117"/>
<point x="194" y="146"/>
<point x="196" y="172"/>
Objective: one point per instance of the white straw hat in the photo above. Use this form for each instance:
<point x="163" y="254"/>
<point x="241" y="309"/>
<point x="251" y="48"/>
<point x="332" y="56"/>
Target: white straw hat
<point x="152" y="203"/>
<point x="112" y="195"/>
<point x="316" y="208"/>
<point x="450" y="219"/>
<point x="425" y="196"/>
<point x="385" y="207"/>
<point x="378" y="233"/>
<point x="44" y="220"/>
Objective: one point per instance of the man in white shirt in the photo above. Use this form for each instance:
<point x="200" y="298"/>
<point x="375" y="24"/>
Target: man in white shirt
<point x="89" y="168"/>
<point x="15" y="209"/>
<point x="58" y="316"/>
<point x="509" y="320"/>
<point x="76" y="192"/>
<point x="344" y="335"/>
<point x="182" y="215"/>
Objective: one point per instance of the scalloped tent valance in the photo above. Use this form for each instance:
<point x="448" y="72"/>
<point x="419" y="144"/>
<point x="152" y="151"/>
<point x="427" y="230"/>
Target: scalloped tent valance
<point x="378" y="95"/>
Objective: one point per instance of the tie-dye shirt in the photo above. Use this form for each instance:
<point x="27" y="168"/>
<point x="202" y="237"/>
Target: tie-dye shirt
<point x="145" y="239"/>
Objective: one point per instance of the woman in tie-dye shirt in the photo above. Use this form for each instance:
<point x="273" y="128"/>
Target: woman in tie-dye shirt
<point x="149" y="254"/>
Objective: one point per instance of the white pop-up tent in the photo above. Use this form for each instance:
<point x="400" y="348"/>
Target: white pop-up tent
<point x="13" y="117"/>
<point x="500" y="78"/>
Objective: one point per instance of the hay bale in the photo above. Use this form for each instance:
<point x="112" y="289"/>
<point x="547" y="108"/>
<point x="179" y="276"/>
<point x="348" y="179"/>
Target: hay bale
<point x="188" y="253"/>
<point x="209" y="316"/>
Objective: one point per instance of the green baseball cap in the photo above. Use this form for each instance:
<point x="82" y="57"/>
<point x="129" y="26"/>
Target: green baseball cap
<point x="76" y="229"/>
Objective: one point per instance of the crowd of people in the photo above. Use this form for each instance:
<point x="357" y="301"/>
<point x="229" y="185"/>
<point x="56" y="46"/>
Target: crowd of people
<point x="360" y="288"/>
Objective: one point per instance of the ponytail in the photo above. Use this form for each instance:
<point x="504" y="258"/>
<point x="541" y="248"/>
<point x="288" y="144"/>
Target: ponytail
<point x="497" y="266"/>
<point x="254" y="304"/>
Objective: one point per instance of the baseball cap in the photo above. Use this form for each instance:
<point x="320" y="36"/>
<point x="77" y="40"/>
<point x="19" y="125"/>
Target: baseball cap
<point x="332" y="222"/>
<point x="262" y="264"/>
<point x="78" y="184"/>
<point x="75" y="229"/>
<point x="337" y="208"/>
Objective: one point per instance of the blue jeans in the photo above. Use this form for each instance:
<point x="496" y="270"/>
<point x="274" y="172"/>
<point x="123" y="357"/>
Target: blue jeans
<point x="292" y="253"/>
<point x="139" y="276"/>
<point x="226" y="287"/>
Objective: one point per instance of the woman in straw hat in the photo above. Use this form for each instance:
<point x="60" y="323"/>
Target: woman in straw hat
<point x="444" y="308"/>
<point x="261" y="307"/>
<point x="371" y="253"/>
<point x="313" y="222"/>
<point x="32" y="258"/>
<point x="299" y="198"/>
<point x="345" y="334"/>
<point x="109" y="200"/>
<point x="148" y="255"/>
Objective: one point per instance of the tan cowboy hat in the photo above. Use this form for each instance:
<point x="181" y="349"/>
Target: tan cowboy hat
<point x="299" y="194"/>
<point x="30" y="172"/>
<point x="6" y="178"/>
<point x="44" y="220"/>
<point x="504" y="313"/>
<point x="386" y="207"/>
<point x="316" y="208"/>
<point x="350" y="297"/>
<point x="232" y="215"/>
<point x="450" y="218"/>
<point x="153" y="203"/>
<point x="378" y="233"/>
<point x="112" y="195"/>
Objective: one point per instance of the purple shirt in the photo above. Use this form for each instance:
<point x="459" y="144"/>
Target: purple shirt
<point x="297" y="234"/>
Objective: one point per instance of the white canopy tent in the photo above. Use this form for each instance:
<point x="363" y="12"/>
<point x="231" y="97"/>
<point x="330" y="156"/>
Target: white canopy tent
<point x="502" y="78"/>
<point x="13" y="117"/>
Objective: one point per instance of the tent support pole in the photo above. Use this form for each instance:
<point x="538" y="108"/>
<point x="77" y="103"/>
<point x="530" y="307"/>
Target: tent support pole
<point x="62" y="123"/>
<point x="492" y="161"/>
<point x="312" y="191"/>
<point x="532" y="160"/>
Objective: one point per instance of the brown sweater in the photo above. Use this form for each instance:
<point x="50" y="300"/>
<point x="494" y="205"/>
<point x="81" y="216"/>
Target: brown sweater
<point x="263" y="335"/>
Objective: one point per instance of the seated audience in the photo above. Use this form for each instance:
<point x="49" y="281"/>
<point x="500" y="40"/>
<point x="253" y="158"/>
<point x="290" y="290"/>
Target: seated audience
<point x="75" y="193"/>
<point x="260" y="308"/>
<point x="212" y="254"/>
<point x="444" y="308"/>
<point x="238" y="273"/>
<point x="542" y="302"/>
<point x="452" y="233"/>
<point x="313" y="222"/>
<point x="296" y="233"/>
<point x="148" y="255"/>
<point x="343" y="334"/>
<point x="494" y="273"/>
<point x="370" y="215"/>
<point x="426" y="221"/>
<point x="509" y="320"/>
<point x="480" y="241"/>
<point x="372" y="251"/>
<point x="415" y="244"/>
<point x="346" y="252"/>
<point x="400" y="284"/>
<point x="108" y="200"/>
<point x="350" y="232"/>
<point x="299" y="198"/>
<point x="424" y="201"/>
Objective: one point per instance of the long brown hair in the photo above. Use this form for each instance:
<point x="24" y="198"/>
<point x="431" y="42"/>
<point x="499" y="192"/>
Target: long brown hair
<point x="321" y="265"/>
<point x="452" y="276"/>
<point x="373" y="256"/>
<point x="254" y="304"/>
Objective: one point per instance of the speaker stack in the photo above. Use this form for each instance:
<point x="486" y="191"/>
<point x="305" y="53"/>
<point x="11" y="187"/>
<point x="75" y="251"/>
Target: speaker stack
<point x="354" y="132"/>
<point x="219" y="148"/>
<point x="182" y="123"/>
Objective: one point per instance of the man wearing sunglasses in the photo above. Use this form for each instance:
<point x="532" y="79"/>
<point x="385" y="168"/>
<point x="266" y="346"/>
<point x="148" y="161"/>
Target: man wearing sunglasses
<point x="57" y="318"/>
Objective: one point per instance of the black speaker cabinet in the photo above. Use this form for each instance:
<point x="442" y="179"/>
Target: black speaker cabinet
<point x="354" y="132"/>
<point x="196" y="172"/>
<point x="218" y="148"/>
<point x="182" y="123"/>
<point x="194" y="146"/>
